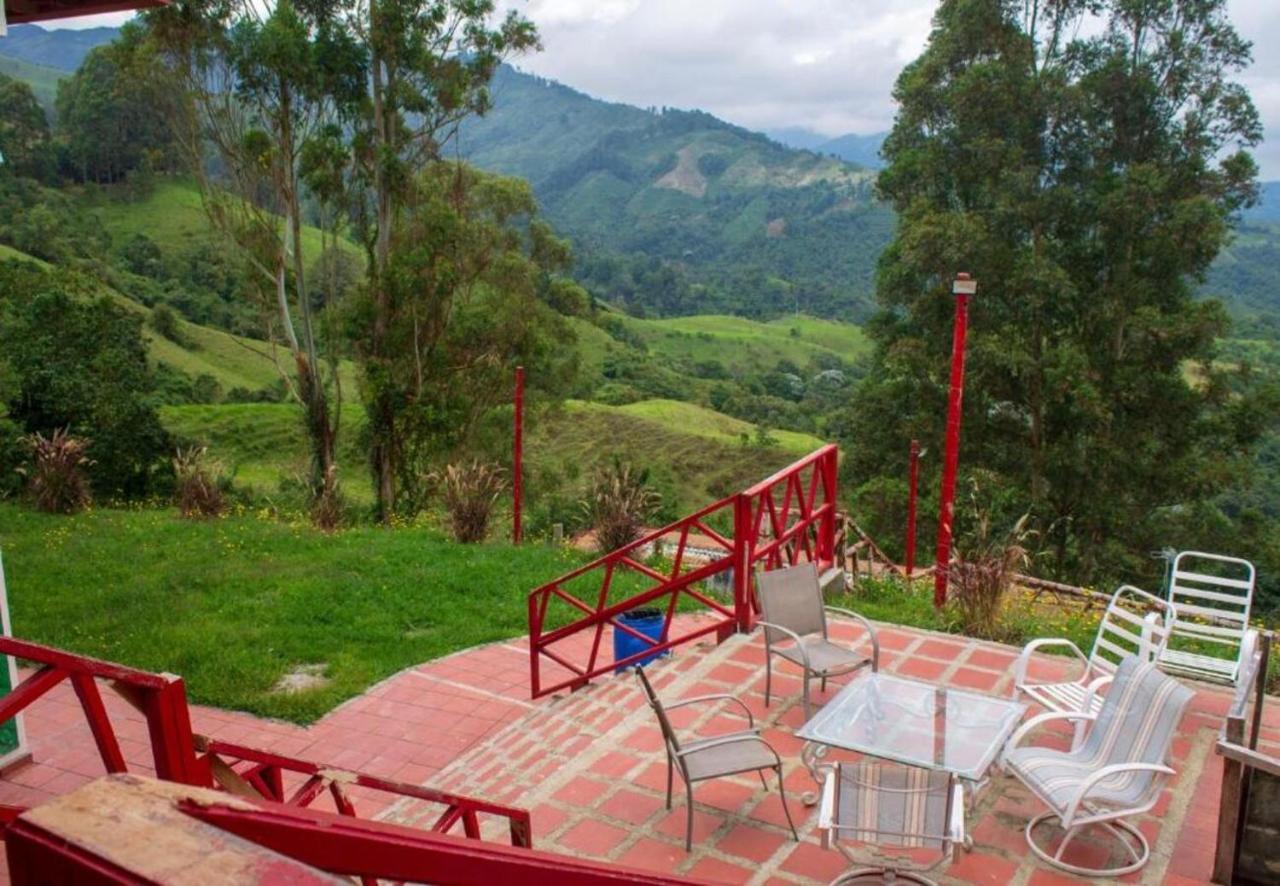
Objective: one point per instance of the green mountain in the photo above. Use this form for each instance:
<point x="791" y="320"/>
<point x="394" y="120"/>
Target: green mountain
<point x="43" y="80"/>
<point x="679" y="212"/>
<point x="60" y="48"/>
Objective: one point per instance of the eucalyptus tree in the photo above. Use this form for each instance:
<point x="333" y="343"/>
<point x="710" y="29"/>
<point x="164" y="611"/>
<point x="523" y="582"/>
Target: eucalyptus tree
<point x="264" y="88"/>
<point x="1084" y="160"/>
<point x="430" y="64"/>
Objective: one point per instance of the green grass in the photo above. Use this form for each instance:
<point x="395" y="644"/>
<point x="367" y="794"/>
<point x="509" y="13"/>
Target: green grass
<point x="699" y="421"/>
<point x="741" y="344"/>
<point x="234" y="604"/>
<point x="172" y="215"/>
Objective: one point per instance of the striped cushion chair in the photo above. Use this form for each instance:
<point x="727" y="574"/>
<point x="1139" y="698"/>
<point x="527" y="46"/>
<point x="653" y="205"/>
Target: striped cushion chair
<point x="1117" y="771"/>
<point x="888" y="805"/>
<point x="1134" y="623"/>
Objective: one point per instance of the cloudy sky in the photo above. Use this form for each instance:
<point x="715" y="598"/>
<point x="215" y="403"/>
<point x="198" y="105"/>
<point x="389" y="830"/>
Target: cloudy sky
<point x="823" y="65"/>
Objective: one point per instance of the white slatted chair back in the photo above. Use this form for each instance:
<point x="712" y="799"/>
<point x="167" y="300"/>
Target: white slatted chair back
<point x="1213" y="596"/>
<point x="1136" y="623"/>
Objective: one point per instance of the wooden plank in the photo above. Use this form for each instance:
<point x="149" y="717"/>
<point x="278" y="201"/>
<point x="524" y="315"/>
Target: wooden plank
<point x="132" y="827"/>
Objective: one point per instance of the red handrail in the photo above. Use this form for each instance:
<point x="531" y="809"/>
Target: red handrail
<point x="265" y="769"/>
<point x="785" y="518"/>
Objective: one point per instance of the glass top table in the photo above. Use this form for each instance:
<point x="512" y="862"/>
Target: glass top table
<point x="919" y="724"/>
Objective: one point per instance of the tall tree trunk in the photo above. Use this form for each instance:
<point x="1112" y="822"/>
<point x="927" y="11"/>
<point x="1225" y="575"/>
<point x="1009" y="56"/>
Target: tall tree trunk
<point x="382" y="409"/>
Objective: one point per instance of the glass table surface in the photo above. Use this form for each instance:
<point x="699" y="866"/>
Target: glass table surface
<point x="920" y="724"/>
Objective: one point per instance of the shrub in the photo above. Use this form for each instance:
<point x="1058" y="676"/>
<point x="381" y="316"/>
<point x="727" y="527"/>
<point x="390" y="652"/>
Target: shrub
<point x="199" y="483"/>
<point x="470" y="492"/>
<point x="618" y="503"/>
<point x="983" y="572"/>
<point x="57" y="480"/>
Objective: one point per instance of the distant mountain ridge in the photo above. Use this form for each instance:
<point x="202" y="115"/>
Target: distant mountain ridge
<point x="678" y="212"/>
<point x="864" y="150"/>
<point x="61" y="48"/>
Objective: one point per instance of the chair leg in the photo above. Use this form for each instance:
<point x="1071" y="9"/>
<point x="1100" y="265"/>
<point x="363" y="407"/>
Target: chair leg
<point x="669" y="768"/>
<point x="783" y="794"/>
<point x="824" y="681"/>
<point x="688" y="828"/>
<point x="760" y="772"/>
<point x="806" y="695"/>
<point x="768" y="677"/>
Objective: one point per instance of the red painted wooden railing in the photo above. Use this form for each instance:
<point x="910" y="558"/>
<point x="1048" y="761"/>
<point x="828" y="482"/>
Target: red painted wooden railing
<point x="240" y="769"/>
<point x="785" y="519"/>
<point x="182" y="756"/>
<point x="161" y="698"/>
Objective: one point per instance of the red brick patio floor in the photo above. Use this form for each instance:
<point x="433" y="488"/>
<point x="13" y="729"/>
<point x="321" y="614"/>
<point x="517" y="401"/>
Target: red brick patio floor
<point x="589" y="765"/>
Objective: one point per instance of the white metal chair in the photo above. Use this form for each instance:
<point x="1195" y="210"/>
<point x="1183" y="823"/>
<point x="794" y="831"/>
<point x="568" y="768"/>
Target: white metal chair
<point x="794" y="609"/>
<point x="1116" y="773"/>
<point x="894" y="806"/>
<point x="1122" y="632"/>
<point x="1213" y="615"/>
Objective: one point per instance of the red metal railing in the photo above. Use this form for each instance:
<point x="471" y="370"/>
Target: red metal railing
<point x="603" y="578"/>
<point x="184" y="757"/>
<point x="161" y="698"/>
<point x="250" y="771"/>
<point x="786" y="519"/>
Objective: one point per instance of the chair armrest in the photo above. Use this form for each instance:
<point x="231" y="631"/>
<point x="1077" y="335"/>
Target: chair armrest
<point x="804" y="653"/>
<point x="1020" y="667"/>
<point x="719" y="697"/>
<point x="871" y="630"/>
<point x="827" y="807"/>
<point x="1105" y="772"/>
<point x="730" y="739"/>
<point x="1039" y="720"/>
<point x="955" y="828"/>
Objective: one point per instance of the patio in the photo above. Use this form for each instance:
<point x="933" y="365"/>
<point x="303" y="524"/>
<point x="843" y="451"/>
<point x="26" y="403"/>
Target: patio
<point x="590" y="766"/>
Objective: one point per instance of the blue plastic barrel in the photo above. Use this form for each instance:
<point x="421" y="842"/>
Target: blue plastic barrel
<point x="644" y="621"/>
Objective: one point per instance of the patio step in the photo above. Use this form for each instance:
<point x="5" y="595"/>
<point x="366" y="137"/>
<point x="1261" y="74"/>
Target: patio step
<point x="535" y="756"/>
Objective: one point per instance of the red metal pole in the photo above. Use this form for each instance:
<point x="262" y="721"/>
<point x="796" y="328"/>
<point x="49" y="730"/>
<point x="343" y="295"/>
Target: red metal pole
<point x="913" y="479"/>
<point x="961" y="289"/>
<point x="517" y="461"/>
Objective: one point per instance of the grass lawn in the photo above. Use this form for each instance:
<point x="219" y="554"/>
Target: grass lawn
<point x="234" y="604"/>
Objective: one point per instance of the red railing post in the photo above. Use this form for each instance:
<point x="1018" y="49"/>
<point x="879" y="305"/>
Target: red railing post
<point x="517" y="460"/>
<point x="742" y="550"/>
<point x="827" y="538"/>
<point x="913" y="479"/>
<point x="962" y="289"/>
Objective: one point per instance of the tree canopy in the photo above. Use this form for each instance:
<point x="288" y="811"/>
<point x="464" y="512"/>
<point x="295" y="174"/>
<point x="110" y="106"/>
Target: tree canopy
<point x="1087" y="182"/>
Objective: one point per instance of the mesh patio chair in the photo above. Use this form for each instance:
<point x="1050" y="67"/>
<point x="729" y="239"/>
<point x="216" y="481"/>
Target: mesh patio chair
<point x="713" y="757"/>
<point x="893" y="806"/>
<point x="1122" y="632"/>
<point x="1116" y="773"/>
<point x="1212" y="595"/>
<point x="794" y="610"/>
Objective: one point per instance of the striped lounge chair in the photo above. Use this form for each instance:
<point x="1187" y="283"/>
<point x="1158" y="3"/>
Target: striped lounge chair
<point x="1135" y="623"/>
<point x="888" y="805"/>
<point x="1117" y="772"/>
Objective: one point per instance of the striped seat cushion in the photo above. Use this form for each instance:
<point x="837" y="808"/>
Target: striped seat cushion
<point x="1136" y="724"/>
<point x="892" y="805"/>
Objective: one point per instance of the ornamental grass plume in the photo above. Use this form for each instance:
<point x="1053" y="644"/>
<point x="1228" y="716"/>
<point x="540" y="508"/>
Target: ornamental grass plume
<point x="470" y="492"/>
<point x="618" y="503"/>
<point x="57" y="482"/>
